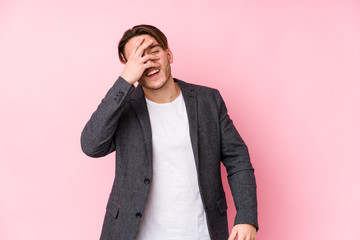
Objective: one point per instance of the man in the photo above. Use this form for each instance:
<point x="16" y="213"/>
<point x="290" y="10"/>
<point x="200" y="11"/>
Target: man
<point x="170" y="138"/>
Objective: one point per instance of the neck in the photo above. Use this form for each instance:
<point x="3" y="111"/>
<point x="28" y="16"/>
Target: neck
<point x="167" y="93"/>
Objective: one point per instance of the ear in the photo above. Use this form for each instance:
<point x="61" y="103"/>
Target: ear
<point x="169" y="55"/>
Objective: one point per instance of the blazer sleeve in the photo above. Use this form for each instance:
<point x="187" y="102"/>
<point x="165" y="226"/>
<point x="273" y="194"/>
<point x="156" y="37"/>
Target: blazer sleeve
<point x="240" y="172"/>
<point x="97" y="136"/>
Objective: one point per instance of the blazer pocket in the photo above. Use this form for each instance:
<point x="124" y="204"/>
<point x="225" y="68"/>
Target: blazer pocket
<point x="222" y="205"/>
<point x="112" y="209"/>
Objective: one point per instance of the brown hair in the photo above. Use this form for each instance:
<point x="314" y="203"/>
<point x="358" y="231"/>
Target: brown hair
<point x="141" y="30"/>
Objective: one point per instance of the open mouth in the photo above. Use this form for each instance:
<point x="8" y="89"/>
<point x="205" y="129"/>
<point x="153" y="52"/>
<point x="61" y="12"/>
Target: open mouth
<point x="152" y="72"/>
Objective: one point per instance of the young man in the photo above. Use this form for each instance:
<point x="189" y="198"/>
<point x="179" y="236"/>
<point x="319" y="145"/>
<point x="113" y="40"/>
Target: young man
<point x="170" y="138"/>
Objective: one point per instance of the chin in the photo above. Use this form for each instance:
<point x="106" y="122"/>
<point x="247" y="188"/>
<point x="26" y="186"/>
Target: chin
<point x="153" y="84"/>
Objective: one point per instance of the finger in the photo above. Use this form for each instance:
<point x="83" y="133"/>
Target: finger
<point x="242" y="237"/>
<point x="137" y="45"/>
<point x="143" y="47"/>
<point x="232" y="235"/>
<point x="149" y="57"/>
<point x="139" y="42"/>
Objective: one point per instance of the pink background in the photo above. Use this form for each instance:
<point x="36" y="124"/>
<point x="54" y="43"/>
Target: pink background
<point x="288" y="71"/>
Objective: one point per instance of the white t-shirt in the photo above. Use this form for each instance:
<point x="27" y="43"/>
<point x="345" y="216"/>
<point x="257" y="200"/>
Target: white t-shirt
<point x="174" y="210"/>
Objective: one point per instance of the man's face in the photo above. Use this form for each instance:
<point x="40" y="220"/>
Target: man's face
<point x="153" y="78"/>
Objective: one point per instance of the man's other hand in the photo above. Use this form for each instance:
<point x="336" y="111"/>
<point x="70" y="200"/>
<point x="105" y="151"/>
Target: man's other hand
<point x="243" y="232"/>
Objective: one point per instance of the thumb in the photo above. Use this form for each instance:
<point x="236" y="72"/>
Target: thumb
<point x="232" y="235"/>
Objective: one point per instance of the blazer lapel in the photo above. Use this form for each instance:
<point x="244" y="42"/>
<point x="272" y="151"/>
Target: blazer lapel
<point x="139" y="104"/>
<point x="190" y="99"/>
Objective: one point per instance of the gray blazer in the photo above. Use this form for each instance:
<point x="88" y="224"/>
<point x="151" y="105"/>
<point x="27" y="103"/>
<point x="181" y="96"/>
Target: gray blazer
<point x="121" y="123"/>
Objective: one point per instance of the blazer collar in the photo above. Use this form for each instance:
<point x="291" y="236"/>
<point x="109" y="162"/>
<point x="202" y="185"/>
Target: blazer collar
<point x="139" y="105"/>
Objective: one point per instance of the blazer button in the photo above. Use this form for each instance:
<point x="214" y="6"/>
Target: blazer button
<point x="146" y="181"/>
<point x="138" y="215"/>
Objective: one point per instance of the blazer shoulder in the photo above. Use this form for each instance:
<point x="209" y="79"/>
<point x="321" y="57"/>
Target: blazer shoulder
<point x="198" y="89"/>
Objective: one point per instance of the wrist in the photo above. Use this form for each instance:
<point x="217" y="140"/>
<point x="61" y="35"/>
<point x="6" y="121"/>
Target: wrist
<point x="128" y="79"/>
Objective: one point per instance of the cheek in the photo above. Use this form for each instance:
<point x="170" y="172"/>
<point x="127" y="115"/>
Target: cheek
<point x="166" y="59"/>
<point x="157" y="55"/>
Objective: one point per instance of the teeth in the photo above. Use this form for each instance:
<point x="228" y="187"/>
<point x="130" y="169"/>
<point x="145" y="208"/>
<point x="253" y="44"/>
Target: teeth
<point x="152" y="72"/>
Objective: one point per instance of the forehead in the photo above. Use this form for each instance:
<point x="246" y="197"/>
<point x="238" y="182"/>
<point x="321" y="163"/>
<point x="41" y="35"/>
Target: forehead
<point x="132" y="43"/>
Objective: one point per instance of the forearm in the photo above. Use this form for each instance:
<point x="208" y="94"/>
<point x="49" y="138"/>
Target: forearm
<point x="245" y="198"/>
<point x="97" y="135"/>
<point x="241" y="179"/>
<point x="242" y="183"/>
<point x="236" y="158"/>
